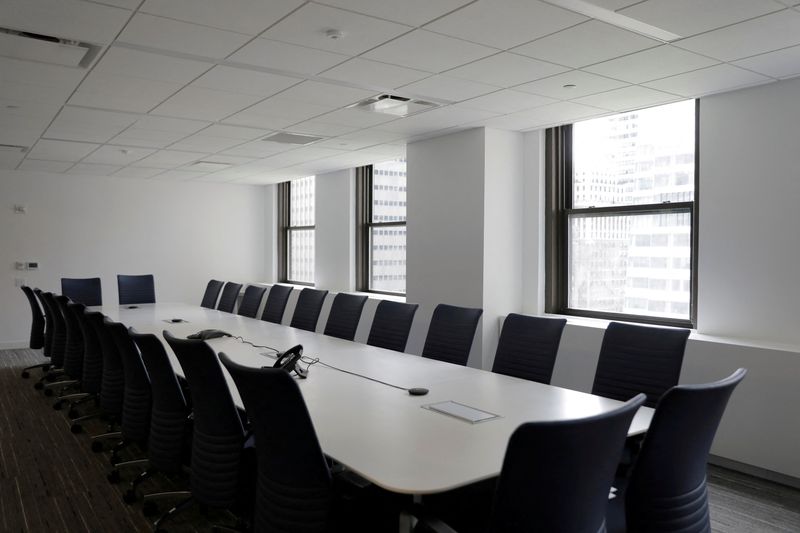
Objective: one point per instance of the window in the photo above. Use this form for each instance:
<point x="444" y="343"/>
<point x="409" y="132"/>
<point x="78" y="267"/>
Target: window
<point x="381" y="228"/>
<point x="620" y="216"/>
<point x="296" y="231"/>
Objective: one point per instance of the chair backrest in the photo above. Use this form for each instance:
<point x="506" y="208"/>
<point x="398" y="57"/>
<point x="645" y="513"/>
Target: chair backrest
<point x="211" y="294"/>
<point x="218" y="433"/>
<point x="344" y="316"/>
<point x="73" y="349"/>
<point x="528" y="347"/>
<point x="294" y="482"/>
<point x="251" y="301"/>
<point x="92" y="376"/>
<point x="112" y="388"/>
<point x="391" y="325"/>
<point x="556" y="476"/>
<point x="37" y="320"/>
<point x="137" y="403"/>
<point x="168" y="422"/>
<point x="87" y="291"/>
<point x="636" y="359"/>
<point x="451" y="333"/>
<point x="309" y="305"/>
<point x="229" y="294"/>
<point x="137" y="289"/>
<point x="59" y="338"/>
<point x="48" y="323"/>
<point x="667" y="486"/>
<point x="276" y="303"/>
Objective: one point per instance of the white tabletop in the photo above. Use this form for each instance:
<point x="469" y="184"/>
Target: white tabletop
<point x="380" y="432"/>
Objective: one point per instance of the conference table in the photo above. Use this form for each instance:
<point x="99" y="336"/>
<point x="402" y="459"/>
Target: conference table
<point x="378" y="431"/>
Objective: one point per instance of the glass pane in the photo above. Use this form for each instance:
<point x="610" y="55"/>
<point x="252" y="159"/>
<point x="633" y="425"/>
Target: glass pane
<point x="301" y="255"/>
<point x="388" y="259"/>
<point x="639" y="157"/>
<point x="633" y="264"/>
<point x="389" y="191"/>
<point x="302" y="202"/>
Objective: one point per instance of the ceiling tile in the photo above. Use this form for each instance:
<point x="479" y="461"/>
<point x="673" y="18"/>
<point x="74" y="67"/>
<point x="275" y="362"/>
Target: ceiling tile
<point x="178" y="175"/>
<point x="506" y="70"/>
<point x="137" y="172"/>
<point x="779" y="64"/>
<point x="584" y="82"/>
<point x="314" y="92"/>
<point x="300" y="155"/>
<point x="756" y="36"/>
<point x="374" y="73"/>
<point x="505" y="23"/>
<point x="587" y="43"/>
<point x="708" y="81"/>
<point x="613" y="5"/>
<point x="690" y="17"/>
<point x="10" y="160"/>
<point x="207" y="104"/>
<point x="446" y="88"/>
<point x="158" y="132"/>
<point x="429" y="51"/>
<point x="168" y="159"/>
<point x="651" y="64"/>
<point x="122" y="93"/>
<point x="237" y="80"/>
<point x="360" y="139"/>
<point x="438" y="119"/>
<point x="258" y="148"/>
<point x="627" y="98"/>
<point x="553" y="114"/>
<point x="183" y="37"/>
<point x="308" y="26"/>
<point x="244" y="16"/>
<point x="412" y="12"/>
<point x="232" y="160"/>
<point x="202" y="142"/>
<point x="288" y="57"/>
<point x="86" y="169"/>
<point x="235" y="132"/>
<point x="127" y="4"/>
<point x="44" y="166"/>
<point x="73" y="19"/>
<point x="24" y="123"/>
<point x="177" y="125"/>
<point x="276" y="113"/>
<point x="506" y="101"/>
<point x="357" y="118"/>
<point x="136" y="64"/>
<point x="117" y="155"/>
<point x="37" y="82"/>
<point x="91" y="125"/>
<point x="320" y="128"/>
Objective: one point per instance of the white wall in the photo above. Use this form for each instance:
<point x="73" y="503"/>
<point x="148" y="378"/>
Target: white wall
<point x="183" y="233"/>
<point x="334" y="237"/>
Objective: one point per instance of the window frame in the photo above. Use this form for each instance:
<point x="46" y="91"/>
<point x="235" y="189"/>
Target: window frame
<point x="364" y="227"/>
<point x="559" y="211"/>
<point x="285" y="230"/>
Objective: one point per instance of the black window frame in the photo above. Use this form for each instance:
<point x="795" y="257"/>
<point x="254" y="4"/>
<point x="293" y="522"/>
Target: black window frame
<point x="285" y="230"/>
<point x="364" y="227"/>
<point x="559" y="210"/>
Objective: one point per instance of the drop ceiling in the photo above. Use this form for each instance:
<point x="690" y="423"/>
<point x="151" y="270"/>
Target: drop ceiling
<point x="189" y="89"/>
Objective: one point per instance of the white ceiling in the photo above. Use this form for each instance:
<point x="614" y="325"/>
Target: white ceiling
<point x="182" y="81"/>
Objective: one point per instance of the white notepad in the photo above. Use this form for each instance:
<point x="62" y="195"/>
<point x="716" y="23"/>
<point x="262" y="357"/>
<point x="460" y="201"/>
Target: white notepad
<point x="459" y="410"/>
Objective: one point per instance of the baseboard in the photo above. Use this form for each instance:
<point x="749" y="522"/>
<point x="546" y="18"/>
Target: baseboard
<point x="756" y="471"/>
<point x="13" y="345"/>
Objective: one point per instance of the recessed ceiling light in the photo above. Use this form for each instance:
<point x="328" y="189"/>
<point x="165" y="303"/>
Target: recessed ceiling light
<point x="569" y="86"/>
<point x="334" y="34"/>
<point x="10" y="106"/>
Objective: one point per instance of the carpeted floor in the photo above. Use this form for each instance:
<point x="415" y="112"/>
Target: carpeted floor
<point x="51" y="481"/>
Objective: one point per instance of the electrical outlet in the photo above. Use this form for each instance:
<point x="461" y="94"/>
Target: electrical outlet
<point x="32" y="265"/>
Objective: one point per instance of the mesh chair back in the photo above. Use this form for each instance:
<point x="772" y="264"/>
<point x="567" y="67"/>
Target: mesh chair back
<point x="667" y="487"/>
<point x="218" y="437"/>
<point x="636" y="359"/>
<point x="92" y="375"/>
<point x="48" y="323"/>
<point x="251" y="301"/>
<point x="391" y="325"/>
<point x="136" y="289"/>
<point x="211" y="294"/>
<point x="556" y="476"/>
<point x="309" y="305"/>
<point x="294" y="482"/>
<point x="276" y="303"/>
<point x="73" y="349"/>
<point x="137" y="401"/>
<point x="345" y="315"/>
<point x="528" y="347"/>
<point x="87" y="291"/>
<point x="168" y="423"/>
<point x="59" y="338"/>
<point x="229" y="294"/>
<point x="37" y="320"/>
<point x="112" y="388"/>
<point x="451" y="333"/>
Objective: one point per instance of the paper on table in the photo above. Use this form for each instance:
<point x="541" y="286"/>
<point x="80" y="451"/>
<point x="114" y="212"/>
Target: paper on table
<point x="459" y="410"/>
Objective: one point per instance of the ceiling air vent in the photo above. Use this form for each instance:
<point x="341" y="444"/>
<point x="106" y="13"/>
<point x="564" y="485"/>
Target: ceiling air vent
<point x="291" y="138"/>
<point x="208" y="166"/>
<point x="46" y="49"/>
<point x="13" y="148"/>
<point x="390" y="104"/>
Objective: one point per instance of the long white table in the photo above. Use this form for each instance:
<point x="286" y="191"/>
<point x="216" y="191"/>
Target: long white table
<point x="380" y="432"/>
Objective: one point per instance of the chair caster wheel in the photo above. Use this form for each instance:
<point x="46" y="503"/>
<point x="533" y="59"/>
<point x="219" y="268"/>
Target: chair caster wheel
<point x="113" y="477"/>
<point x="57" y="406"/>
<point x="97" y="446"/>
<point x="26" y="374"/>
<point x="149" y="508"/>
<point x="129" y="497"/>
<point x="38" y="385"/>
<point x="73" y="413"/>
<point x="48" y="392"/>
<point x="76" y="428"/>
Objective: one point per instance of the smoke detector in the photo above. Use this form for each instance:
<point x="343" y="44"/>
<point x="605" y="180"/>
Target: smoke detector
<point x="390" y="104"/>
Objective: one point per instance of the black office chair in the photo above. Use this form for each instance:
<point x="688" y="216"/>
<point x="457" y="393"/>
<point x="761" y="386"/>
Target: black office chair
<point x="92" y="371"/>
<point x="345" y="315"/>
<point x="229" y="294"/>
<point x="276" y="303"/>
<point x="211" y="294"/>
<point x="636" y="359"/>
<point x="666" y="490"/>
<point x="251" y="301"/>
<point x="451" y="333"/>
<point x="48" y="323"/>
<point x="37" y="338"/>
<point x="139" y="289"/>
<point x="528" y="347"/>
<point x="87" y="291"/>
<point x="391" y="325"/>
<point x="309" y="305"/>
<point x="218" y="435"/>
<point x="73" y="355"/>
<point x="57" y="332"/>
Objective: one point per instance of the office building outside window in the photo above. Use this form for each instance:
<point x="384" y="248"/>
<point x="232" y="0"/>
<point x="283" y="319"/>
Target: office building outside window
<point x="381" y="238"/>
<point x="621" y="209"/>
<point x="296" y="214"/>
